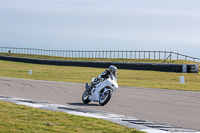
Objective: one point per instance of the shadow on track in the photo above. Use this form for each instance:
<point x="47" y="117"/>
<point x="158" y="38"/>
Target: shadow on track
<point x="83" y="104"/>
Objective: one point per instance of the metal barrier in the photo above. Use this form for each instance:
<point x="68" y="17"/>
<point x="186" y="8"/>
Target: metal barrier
<point x="161" y="55"/>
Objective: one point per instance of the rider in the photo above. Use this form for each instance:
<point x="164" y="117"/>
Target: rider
<point x="112" y="70"/>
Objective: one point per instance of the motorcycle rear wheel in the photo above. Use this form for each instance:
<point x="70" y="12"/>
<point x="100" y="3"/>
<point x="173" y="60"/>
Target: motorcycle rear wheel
<point x="85" y="97"/>
<point x="103" y="99"/>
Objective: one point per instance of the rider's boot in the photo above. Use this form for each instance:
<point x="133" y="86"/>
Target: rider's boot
<point x="89" y="88"/>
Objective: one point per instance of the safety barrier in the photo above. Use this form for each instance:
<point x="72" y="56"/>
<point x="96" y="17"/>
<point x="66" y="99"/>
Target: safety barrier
<point x="181" y="68"/>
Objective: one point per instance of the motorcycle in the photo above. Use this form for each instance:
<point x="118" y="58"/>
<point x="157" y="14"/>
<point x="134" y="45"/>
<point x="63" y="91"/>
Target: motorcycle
<point x="101" y="92"/>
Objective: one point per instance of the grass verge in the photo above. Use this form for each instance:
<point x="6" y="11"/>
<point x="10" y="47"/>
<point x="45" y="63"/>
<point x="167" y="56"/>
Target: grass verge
<point x="18" y="118"/>
<point x="147" y="79"/>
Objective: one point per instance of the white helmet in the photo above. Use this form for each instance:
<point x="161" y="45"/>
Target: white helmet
<point x="112" y="69"/>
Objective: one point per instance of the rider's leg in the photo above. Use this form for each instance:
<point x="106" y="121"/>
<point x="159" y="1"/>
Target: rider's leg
<point x="96" y="81"/>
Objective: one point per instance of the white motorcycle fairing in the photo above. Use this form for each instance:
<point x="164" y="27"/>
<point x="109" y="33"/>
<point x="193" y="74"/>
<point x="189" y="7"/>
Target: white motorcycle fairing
<point x="108" y="84"/>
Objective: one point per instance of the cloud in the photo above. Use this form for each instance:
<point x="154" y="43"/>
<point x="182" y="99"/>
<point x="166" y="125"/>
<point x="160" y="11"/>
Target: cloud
<point x="105" y="23"/>
<point x="95" y="7"/>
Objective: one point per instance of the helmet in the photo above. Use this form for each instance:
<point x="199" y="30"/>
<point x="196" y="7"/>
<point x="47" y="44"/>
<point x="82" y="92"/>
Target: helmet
<point x="112" y="69"/>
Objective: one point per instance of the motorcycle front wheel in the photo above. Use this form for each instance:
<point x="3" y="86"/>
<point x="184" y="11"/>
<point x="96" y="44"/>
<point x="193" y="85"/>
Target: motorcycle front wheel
<point x="105" y="98"/>
<point x="85" y="97"/>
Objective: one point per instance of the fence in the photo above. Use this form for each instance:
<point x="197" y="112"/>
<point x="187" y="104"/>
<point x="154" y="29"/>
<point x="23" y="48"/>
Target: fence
<point x="161" y="55"/>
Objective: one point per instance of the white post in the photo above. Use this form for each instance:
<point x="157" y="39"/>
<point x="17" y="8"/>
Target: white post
<point x="30" y="72"/>
<point x="182" y="79"/>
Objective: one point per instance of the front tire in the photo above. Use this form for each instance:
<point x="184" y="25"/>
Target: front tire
<point x="103" y="99"/>
<point x="85" y="97"/>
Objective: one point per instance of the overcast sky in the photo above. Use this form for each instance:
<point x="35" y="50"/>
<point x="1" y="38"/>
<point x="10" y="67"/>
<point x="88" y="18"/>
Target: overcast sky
<point x="172" y="25"/>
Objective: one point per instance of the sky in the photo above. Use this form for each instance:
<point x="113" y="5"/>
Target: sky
<point x="163" y="25"/>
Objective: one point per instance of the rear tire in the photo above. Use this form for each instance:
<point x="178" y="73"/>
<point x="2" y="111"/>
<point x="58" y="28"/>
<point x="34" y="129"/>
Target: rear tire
<point x="85" y="97"/>
<point x="103" y="99"/>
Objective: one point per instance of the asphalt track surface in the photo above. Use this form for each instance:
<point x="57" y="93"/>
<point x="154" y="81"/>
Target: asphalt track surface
<point x="171" y="107"/>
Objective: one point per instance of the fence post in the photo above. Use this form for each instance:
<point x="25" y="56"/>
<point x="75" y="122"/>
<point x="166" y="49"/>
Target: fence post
<point x="170" y="55"/>
<point x="149" y="55"/>
<point x="159" y="55"/>
<point x="135" y="54"/>
<point x="177" y="56"/>
<point x="139" y="55"/>
<point x="118" y="54"/>
<point x="130" y="54"/>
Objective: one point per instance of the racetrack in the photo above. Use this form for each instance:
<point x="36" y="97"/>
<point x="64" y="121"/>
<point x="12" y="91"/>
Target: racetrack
<point x="171" y="107"/>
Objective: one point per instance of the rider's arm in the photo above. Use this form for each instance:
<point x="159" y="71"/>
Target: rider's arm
<point x="115" y="74"/>
<point x="104" y="75"/>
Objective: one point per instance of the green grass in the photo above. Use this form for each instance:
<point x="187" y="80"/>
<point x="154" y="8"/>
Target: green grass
<point x="18" y="118"/>
<point x="148" y="79"/>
